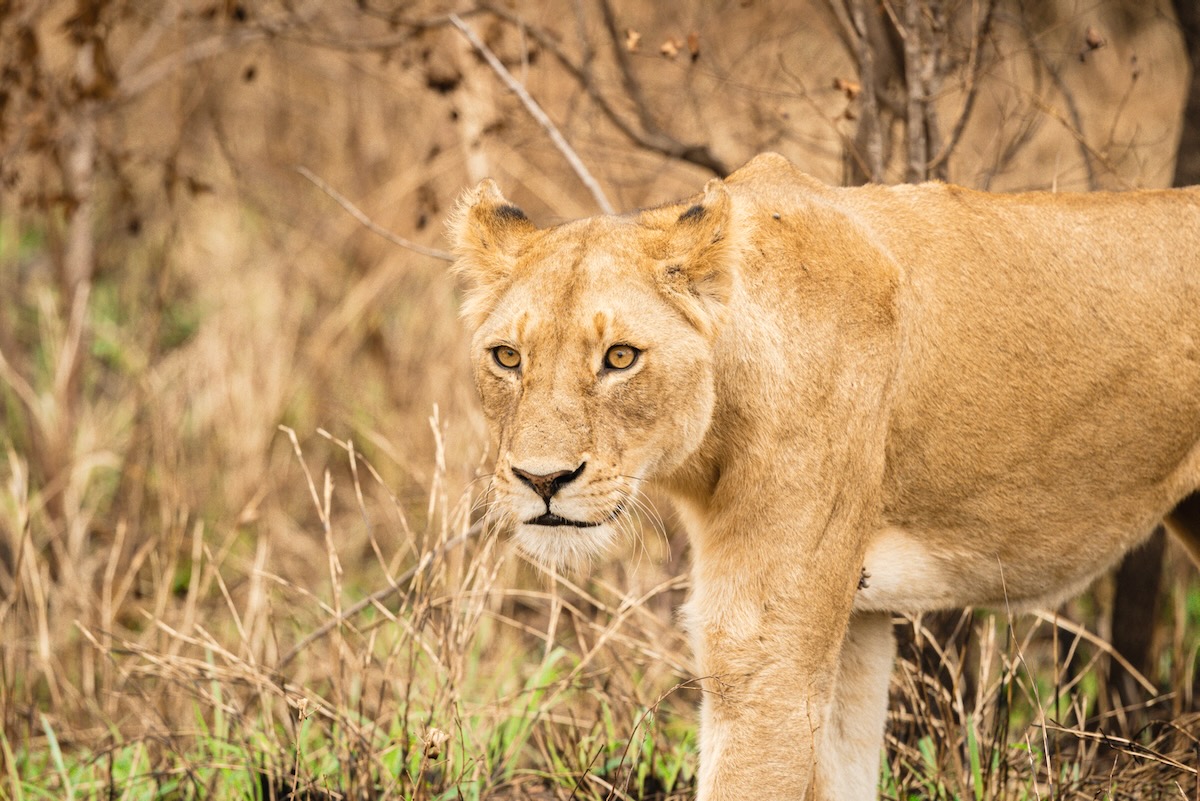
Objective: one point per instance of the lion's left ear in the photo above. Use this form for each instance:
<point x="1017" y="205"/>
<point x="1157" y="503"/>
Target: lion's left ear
<point x="699" y="270"/>
<point x="486" y="232"/>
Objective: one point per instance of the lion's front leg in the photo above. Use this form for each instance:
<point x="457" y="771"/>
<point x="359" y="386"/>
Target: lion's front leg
<point x="848" y="765"/>
<point x="768" y="650"/>
<point x="764" y="719"/>
<point x="778" y="725"/>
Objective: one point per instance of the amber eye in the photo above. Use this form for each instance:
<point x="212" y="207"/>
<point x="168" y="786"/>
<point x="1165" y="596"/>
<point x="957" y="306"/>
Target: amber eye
<point x="506" y="357"/>
<point x="621" y="357"/>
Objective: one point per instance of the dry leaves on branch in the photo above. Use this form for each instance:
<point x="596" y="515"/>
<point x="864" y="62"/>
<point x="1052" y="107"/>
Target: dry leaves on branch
<point x="1092" y="40"/>
<point x="672" y="47"/>
<point x="847" y="87"/>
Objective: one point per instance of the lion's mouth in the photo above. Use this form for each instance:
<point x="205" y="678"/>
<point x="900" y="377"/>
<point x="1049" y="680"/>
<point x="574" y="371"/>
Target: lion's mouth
<point x="551" y="519"/>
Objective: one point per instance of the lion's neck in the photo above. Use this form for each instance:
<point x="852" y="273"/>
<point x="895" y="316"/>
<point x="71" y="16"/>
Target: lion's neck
<point x="748" y="369"/>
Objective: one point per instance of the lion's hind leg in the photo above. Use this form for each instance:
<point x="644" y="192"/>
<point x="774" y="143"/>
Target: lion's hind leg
<point x="1184" y="523"/>
<point x="848" y="765"/>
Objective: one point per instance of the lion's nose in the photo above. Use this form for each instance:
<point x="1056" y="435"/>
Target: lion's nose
<point x="545" y="485"/>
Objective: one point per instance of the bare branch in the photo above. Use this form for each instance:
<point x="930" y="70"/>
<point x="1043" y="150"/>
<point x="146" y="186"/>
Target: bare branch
<point x="411" y="28"/>
<point x="1090" y="154"/>
<point x="370" y="224"/>
<point x="581" y="30"/>
<point x="933" y="69"/>
<point x="135" y="79"/>
<point x="131" y="86"/>
<point x="845" y="28"/>
<point x="915" y="111"/>
<point x="1076" y="120"/>
<point x="974" y="68"/>
<point x="656" y="141"/>
<point x="146" y="43"/>
<point x="632" y="87"/>
<point x="869" y="140"/>
<point x="536" y="112"/>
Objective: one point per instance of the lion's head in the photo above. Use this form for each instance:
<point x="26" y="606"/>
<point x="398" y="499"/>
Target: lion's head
<point x="592" y="353"/>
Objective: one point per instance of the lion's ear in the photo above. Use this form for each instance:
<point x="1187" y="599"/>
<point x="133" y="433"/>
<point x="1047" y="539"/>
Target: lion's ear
<point x="486" y="232"/>
<point x="701" y="260"/>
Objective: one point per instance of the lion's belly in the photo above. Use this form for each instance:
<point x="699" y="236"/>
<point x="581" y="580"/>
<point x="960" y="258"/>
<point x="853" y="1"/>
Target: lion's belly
<point x="912" y="572"/>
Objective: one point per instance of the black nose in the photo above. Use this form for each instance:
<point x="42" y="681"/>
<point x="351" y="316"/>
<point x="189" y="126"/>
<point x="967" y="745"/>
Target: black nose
<point x="548" y="484"/>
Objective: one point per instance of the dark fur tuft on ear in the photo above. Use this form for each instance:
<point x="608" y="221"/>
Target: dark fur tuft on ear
<point x="486" y="232"/>
<point x="510" y="212"/>
<point x="700" y="262"/>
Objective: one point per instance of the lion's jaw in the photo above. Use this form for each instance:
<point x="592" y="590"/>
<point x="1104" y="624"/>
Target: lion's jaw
<point x="576" y="433"/>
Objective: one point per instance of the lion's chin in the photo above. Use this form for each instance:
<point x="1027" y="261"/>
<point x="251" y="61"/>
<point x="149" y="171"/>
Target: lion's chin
<point x="565" y="547"/>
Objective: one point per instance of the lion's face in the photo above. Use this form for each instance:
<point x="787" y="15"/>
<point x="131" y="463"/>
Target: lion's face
<point x="592" y="356"/>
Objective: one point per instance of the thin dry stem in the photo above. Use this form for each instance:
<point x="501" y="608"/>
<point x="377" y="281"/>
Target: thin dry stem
<point x="560" y="142"/>
<point x="367" y="222"/>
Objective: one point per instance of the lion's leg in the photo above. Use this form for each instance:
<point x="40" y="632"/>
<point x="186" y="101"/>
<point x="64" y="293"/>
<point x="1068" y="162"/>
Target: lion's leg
<point x="848" y="767"/>
<point x="768" y="646"/>
<point x="765" y="714"/>
<point x="1184" y="523"/>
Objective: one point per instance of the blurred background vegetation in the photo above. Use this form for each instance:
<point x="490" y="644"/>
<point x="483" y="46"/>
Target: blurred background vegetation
<point x="239" y="446"/>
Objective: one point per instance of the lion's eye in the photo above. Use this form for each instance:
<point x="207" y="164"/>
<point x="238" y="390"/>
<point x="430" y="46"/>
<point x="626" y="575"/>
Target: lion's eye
<point x="506" y="357"/>
<point x="621" y="357"/>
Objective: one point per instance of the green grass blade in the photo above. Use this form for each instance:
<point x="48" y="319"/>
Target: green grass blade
<point x="10" y="759"/>
<point x="57" y="756"/>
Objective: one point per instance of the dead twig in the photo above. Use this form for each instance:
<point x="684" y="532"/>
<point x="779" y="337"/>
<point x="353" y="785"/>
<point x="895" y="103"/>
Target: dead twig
<point x="1075" y="127"/>
<point x="134" y="84"/>
<point x="1099" y="642"/>
<point x="910" y="33"/>
<point x="535" y="111"/>
<point x="655" y="139"/>
<point x="621" y="54"/>
<point x="974" y="68"/>
<point x="869" y="139"/>
<point x="1124" y="744"/>
<point x="367" y="222"/>
<point x="378" y="596"/>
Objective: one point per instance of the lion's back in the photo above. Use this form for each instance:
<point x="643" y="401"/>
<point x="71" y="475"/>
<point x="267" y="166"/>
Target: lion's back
<point x="1047" y="369"/>
<point x="1050" y="370"/>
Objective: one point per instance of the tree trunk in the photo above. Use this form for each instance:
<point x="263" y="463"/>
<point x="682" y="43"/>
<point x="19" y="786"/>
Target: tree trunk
<point x="1187" y="160"/>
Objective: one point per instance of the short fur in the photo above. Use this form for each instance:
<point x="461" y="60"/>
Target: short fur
<point x="972" y="399"/>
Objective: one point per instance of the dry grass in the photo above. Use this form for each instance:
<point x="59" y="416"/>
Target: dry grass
<point x="205" y="594"/>
<point x="454" y="680"/>
<point x="469" y="676"/>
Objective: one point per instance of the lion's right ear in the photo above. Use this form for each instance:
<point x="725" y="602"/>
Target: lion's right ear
<point x="486" y="232"/>
<point x="700" y="259"/>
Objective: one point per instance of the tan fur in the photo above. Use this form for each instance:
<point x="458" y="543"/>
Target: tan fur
<point x="956" y="398"/>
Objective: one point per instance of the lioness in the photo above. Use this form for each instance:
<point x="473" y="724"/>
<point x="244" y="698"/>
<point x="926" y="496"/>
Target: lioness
<point x="864" y="401"/>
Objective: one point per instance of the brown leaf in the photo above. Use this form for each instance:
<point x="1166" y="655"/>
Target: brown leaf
<point x="1092" y="40"/>
<point x="693" y="45"/>
<point x="434" y="740"/>
<point x="849" y="88"/>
